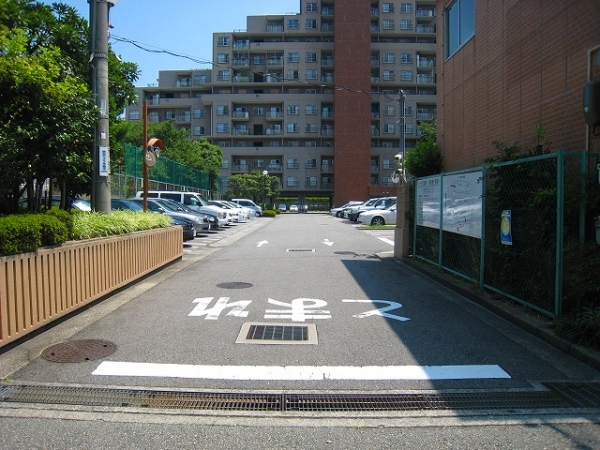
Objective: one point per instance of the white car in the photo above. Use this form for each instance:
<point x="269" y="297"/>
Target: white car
<point x="339" y="211"/>
<point x="386" y="216"/>
<point x="293" y="208"/>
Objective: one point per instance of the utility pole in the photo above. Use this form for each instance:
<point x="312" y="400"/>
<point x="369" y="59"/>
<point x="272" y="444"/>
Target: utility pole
<point x="99" y="14"/>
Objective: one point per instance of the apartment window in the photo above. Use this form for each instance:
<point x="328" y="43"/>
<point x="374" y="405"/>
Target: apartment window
<point x="199" y="79"/>
<point x="408" y="111"/>
<point x="134" y="115"/>
<point x="311" y="110"/>
<point x="169" y="115"/>
<point x="311" y="128"/>
<point x="258" y="163"/>
<point x="293" y="110"/>
<point x="311" y="74"/>
<point x="311" y="182"/>
<point x="389" y="110"/>
<point x="409" y="128"/>
<point x="460" y="24"/>
<point x="406" y="58"/>
<point x="310" y="143"/>
<point x="388" y="75"/>
<point x="311" y="24"/>
<point x="387" y="25"/>
<point x="406" y="24"/>
<point x="223" y="75"/>
<point x="389" y="163"/>
<point x="198" y="131"/>
<point x="294" y="57"/>
<point x="293" y="163"/>
<point x="222" y="128"/>
<point x="223" y="42"/>
<point x="293" y="144"/>
<point x="223" y="58"/>
<point x="389" y="58"/>
<point x="389" y="128"/>
<point x="311" y="164"/>
<point x="293" y="75"/>
<point x="222" y="110"/>
<point x="198" y="114"/>
<point x="406" y="8"/>
<point x="406" y="75"/>
<point x="311" y="57"/>
<point x="293" y="128"/>
<point x="293" y="24"/>
<point x="312" y="7"/>
<point x="387" y="7"/>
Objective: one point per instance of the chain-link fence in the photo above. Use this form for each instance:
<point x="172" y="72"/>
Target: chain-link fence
<point x="537" y="241"/>
<point x="166" y="175"/>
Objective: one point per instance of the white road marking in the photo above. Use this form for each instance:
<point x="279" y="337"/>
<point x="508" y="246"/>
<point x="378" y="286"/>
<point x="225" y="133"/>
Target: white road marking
<point x="299" y="373"/>
<point x="387" y="241"/>
<point x="261" y="243"/>
<point x="328" y="242"/>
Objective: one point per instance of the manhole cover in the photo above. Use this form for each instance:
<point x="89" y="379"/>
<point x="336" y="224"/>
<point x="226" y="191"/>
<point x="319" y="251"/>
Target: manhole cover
<point x="79" y="351"/>
<point x="235" y="285"/>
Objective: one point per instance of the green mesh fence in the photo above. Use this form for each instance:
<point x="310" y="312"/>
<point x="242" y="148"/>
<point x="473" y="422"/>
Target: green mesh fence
<point x="165" y="175"/>
<point x="549" y="259"/>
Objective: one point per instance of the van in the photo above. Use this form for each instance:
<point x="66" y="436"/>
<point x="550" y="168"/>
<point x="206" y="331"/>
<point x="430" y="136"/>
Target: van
<point x="248" y="204"/>
<point x="192" y="200"/>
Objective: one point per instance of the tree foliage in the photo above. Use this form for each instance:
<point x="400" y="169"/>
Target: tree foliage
<point x="47" y="111"/>
<point x="425" y="159"/>
<point x="255" y="186"/>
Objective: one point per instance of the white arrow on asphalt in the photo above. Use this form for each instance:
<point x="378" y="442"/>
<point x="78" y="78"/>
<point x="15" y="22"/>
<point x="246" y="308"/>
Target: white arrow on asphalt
<point x="327" y="242"/>
<point x="261" y="243"/>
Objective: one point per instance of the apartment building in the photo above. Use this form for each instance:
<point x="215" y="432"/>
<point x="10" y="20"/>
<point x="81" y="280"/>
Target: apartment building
<point x="312" y="98"/>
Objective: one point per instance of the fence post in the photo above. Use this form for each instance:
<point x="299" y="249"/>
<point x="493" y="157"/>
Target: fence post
<point x="483" y="227"/>
<point x="560" y="203"/>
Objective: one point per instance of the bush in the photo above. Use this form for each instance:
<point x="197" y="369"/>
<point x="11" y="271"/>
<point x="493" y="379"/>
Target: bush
<point x="53" y="230"/>
<point x="270" y="213"/>
<point x="65" y="217"/>
<point x="19" y="234"/>
<point x="583" y="328"/>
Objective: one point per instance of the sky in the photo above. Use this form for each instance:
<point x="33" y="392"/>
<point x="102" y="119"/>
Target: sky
<point x="184" y="27"/>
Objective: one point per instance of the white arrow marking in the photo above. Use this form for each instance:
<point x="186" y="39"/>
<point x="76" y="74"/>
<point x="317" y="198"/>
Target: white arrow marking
<point x="261" y="243"/>
<point x="327" y="242"/>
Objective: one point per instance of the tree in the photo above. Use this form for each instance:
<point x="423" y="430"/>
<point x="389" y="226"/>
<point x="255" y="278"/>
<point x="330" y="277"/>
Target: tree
<point x="47" y="113"/>
<point x="425" y="159"/>
<point x="255" y="186"/>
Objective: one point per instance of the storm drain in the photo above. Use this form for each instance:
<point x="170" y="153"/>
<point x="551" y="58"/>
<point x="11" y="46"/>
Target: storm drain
<point x="559" y="395"/>
<point x="272" y="333"/>
<point x="79" y="351"/>
<point x="234" y="285"/>
<point x="299" y="250"/>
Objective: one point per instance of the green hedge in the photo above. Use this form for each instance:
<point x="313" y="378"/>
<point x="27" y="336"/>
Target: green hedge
<point x="19" y="234"/>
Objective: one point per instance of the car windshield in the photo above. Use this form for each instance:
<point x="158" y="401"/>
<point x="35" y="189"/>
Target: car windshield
<point x="170" y="205"/>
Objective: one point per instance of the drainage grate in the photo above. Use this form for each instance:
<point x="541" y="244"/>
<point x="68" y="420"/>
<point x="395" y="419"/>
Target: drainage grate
<point x="291" y="250"/>
<point x="560" y="395"/>
<point x="272" y="333"/>
<point x="79" y="351"/>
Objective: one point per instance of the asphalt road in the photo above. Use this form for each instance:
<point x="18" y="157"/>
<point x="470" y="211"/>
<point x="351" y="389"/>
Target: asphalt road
<point x="373" y="326"/>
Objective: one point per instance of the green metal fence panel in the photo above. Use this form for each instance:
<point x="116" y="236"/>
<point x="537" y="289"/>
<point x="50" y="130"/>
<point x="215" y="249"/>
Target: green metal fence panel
<point x="165" y="175"/>
<point x="537" y="244"/>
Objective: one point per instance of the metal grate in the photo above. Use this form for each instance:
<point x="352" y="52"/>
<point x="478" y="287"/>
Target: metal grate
<point x="270" y="333"/>
<point x="300" y="250"/>
<point x="559" y="395"/>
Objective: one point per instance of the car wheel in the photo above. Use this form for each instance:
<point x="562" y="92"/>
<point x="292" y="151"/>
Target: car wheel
<point x="338" y="214"/>
<point x="377" y="221"/>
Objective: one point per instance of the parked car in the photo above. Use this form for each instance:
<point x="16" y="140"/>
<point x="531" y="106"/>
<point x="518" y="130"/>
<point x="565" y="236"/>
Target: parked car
<point x="236" y="212"/>
<point x="386" y="216"/>
<point x="339" y="211"/>
<point x="125" y="204"/>
<point x="154" y="204"/>
<point x="355" y="208"/>
<point x="294" y="208"/>
<point x="282" y="207"/>
<point x="180" y="207"/>
<point x="380" y="203"/>
<point x="248" y="204"/>
<point x="192" y="200"/>
<point x="189" y="232"/>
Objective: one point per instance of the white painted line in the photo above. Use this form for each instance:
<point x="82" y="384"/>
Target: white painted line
<point x="387" y="241"/>
<point x="299" y="373"/>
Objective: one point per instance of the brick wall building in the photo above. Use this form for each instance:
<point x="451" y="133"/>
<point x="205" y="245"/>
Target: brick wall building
<point x="523" y="64"/>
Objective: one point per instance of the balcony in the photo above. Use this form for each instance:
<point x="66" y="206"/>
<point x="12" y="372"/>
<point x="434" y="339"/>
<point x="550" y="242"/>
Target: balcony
<point x="240" y="168"/>
<point x="327" y="167"/>
<point x="425" y="79"/>
<point x="425" y="29"/>
<point x="240" y="115"/>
